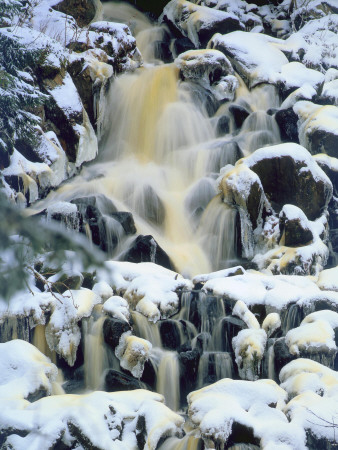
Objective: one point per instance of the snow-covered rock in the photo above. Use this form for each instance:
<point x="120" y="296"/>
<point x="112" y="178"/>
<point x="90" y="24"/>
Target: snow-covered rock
<point x="198" y="22"/>
<point x="133" y="352"/>
<point x="249" y="346"/>
<point x="149" y="289"/>
<point x="317" y="127"/>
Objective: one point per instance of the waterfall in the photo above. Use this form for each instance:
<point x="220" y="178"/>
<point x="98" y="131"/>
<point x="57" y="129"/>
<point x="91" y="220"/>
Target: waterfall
<point x="95" y="356"/>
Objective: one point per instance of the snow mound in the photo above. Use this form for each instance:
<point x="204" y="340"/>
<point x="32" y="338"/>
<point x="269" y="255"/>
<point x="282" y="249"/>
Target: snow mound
<point x="117" y="307"/>
<point x="149" y="289"/>
<point x="133" y="352"/>
<point x="23" y="371"/>
<point x="249" y="346"/>
<point x="216" y="409"/>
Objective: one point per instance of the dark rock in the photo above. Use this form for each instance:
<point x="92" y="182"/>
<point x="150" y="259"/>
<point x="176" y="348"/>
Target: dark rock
<point x="83" y="11"/>
<point x="149" y="374"/>
<point x="316" y="443"/>
<point x="189" y="362"/>
<point x="239" y="113"/>
<point x="117" y="381"/>
<point x="170" y="334"/>
<point x="73" y="386"/>
<point x="223" y="126"/>
<point x="203" y="97"/>
<point x="150" y="206"/>
<point x="126" y="219"/>
<point x="202" y="342"/>
<point x="287" y="180"/>
<point x="80" y="73"/>
<point x="294" y="231"/>
<point x="103" y="203"/>
<point x="113" y="329"/>
<point x="199" y="196"/>
<point x="242" y="434"/>
<point x="230" y="327"/>
<point x="282" y="354"/>
<point x="287" y="122"/>
<point x="146" y="249"/>
<point x="326" y="165"/>
<point x="36" y="395"/>
<point x="182" y="45"/>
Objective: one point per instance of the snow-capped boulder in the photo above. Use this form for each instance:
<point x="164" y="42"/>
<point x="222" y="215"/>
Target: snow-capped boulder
<point x="315" y="337"/>
<point x="328" y="279"/>
<point x="242" y="187"/>
<point x="255" y="56"/>
<point x="249" y="346"/>
<point x="294" y="227"/>
<point x="133" y="352"/>
<point x="197" y="22"/>
<point x="301" y="182"/>
<point x="231" y="412"/>
<point x="318" y="127"/>
<point x="149" y="288"/>
<point x="205" y="65"/>
<point x="25" y="373"/>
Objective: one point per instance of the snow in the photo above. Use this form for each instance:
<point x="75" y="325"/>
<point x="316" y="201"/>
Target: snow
<point x="313" y="412"/>
<point x="305" y="92"/>
<point x="271" y="323"/>
<point x="191" y="18"/>
<point x="276" y="291"/>
<point x="330" y="90"/>
<point x="314" y="117"/>
<point x="296" y="74"/>
<point x="317" y="40"/>
<point x="254" y="55"/>
<point x="292" y="212"/>
<point x="328" y="279"/>
<point x="62" y="331"/>
<point x="302" y="375"/>
<point x="314" y="337"/>
<point x="101" y="419"/>
<point x="117" y="307"/>
<point x="67" y="97"/>
<point x="148" y="288"/>
<point x="103" y="290"/>
<point x="133" y="352"/>
<point x="216" y="408"/>
<point x="241" y="310"/>
<point x="249" y="346"/>
<point x="23" y="371"/>
<point x="66" y="208"/>
<point x="218" y="274"/>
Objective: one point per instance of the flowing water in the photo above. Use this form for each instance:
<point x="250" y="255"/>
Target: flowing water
<point x="159" y="158"/>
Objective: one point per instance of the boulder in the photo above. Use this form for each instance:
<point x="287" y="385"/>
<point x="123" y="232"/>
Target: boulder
<point x="83" y="11"/>
<point x="294" y="227"/>
<point x="239" y="113"/>
<point x="118" y="381"/>
<point x="318" y="127"/>
<point x="290" y="175"/>
<point x="208" y="66"/>
<point x="287" y="122"/>
<point x="199" y="23"/>
<point x="146" y="249"/>
<point x="170" y="334"/>
<point x="282" y="354"/>
<point x="113" y="329"/>
<point x="242" y="187"/>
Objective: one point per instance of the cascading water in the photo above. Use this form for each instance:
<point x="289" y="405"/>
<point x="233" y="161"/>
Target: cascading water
<point x="160" y="157"/>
